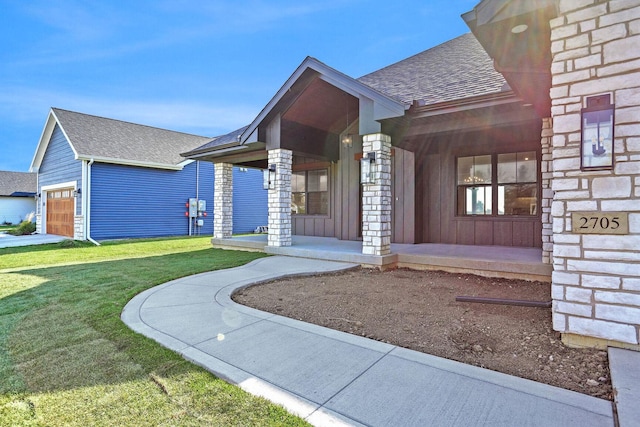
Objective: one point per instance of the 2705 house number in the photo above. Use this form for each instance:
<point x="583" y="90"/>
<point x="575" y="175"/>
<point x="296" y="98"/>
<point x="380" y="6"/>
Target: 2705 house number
<point x="600" y="223"/>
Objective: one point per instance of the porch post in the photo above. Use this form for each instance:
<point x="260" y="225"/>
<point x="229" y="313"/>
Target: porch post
<point x="223" y="201"/>
<point x="376" y="197"/>
<point x="280" y="198"/>
<point x="547" y="191"/>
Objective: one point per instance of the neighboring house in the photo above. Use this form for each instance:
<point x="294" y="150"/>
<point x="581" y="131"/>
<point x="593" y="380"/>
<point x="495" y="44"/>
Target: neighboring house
<point x="100" y="178"/>
<point x="514" y="135"/>
<point x="17" y="196"/>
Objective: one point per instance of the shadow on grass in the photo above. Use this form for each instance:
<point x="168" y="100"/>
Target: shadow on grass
<point x="66" y="332"/>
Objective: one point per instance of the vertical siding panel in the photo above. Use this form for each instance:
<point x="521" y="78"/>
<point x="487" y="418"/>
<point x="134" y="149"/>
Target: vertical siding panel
<point x="337" y="197"/>
<point x="503" y="233"/>
<point x="409" y="195"/>
<point x="309" y="226"/>
<point x="344" y="196"/>
<point x="537" y="233"/>
<point x="448" y="227"/>
<point x="466" y="232"/>
<point x="433" y="186"/>
<point x="523" y="234"/>
<point x="483" y="232"/>
<point x="397" y="213"/>
<point x="353" y="198"/>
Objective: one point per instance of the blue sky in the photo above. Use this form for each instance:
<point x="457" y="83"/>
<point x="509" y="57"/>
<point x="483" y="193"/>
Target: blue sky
<point x="203" y="67"/>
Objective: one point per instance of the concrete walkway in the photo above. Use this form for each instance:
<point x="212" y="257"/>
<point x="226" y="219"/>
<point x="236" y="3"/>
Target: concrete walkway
<point x="9" y="241"/>
<point x="334" y="378"/>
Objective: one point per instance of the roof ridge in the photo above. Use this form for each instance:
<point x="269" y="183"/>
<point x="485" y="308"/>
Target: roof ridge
<point x="129" y="122"/>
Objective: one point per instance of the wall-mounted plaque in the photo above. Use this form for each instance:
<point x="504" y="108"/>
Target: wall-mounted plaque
<point x="600" y="223"/>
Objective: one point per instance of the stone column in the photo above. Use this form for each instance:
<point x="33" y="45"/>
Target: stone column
<point x="223" y="201"/>
<point x="280" y="198"/>
<point x="547" y="192"/>
<point x="596" y="277"/>
<point x="376" y="197"/>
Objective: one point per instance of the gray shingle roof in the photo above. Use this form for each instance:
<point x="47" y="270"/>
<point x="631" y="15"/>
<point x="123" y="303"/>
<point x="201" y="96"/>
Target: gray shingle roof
<point x="457" y="69"/>
<point x="103" y="138"/>
<point x="17" y="183"/>
<point x="219" y="141"/>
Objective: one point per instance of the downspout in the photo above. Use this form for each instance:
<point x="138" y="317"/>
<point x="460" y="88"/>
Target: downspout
<point x="88" y="204"/>
<point x="197" y="193"/>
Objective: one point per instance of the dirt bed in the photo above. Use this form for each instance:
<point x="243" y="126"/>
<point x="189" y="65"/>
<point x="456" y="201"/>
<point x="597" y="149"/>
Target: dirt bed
<point x="418" y="310"/>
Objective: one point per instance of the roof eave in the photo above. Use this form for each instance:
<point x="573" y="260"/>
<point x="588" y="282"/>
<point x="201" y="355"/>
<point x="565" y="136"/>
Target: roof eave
<point x="470" y="103"/>
<point x="198" y="151"/>
<point x="225" y="151"/>
<point x="126" y="162"/>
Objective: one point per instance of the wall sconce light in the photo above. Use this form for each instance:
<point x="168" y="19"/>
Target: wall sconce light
<point x="596" y="149"/>
<point x="77" y="192"/>
<point x="347" y="140"/>
<point x="367" y="168"/>
<point x="269" y="177"/>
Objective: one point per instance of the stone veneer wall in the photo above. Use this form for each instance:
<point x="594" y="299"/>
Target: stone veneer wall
<point x="376" y="198"/>
<point x="223" y="201"/>
<point x="279" y="198"/>
<point x="596" y="278"/>
<point x="78" y="227"/>
<point x="547" y="192"/>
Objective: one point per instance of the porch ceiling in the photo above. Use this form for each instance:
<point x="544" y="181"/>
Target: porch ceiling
<point x="421" y="127"/>
<point x="517" y="35"/>
<point x="324" y="107"/>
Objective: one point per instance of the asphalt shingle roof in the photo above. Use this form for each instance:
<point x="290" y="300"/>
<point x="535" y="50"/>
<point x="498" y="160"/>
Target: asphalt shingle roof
<point x="103" y="138"/>
<point x="457" y="69"/>
<point x="221" y="140"/>
<point x="17" y="183"/>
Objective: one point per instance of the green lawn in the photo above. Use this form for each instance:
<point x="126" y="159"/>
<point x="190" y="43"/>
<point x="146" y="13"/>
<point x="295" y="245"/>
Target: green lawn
<point x="66" y="358"/>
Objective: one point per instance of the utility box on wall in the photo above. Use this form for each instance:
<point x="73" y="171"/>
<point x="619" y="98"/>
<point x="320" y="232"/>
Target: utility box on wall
<point x="193" y="207"/>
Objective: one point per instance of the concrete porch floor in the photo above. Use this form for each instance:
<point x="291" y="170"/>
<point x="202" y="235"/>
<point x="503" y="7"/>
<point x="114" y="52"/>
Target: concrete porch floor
<point x="490" y="261"/>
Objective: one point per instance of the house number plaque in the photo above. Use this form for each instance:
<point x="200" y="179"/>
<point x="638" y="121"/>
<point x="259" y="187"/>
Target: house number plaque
<point x="600" y="223"/>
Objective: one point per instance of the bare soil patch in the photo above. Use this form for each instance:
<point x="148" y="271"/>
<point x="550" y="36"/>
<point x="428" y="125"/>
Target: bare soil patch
<point x="418" y="310"/>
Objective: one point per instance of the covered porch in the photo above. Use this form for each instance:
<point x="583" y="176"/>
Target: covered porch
<point x="489" y="261"/>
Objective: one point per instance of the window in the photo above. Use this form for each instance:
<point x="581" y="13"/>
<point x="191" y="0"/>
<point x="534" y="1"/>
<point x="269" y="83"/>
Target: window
<point x="516" y="186"/>
<point x="474" y="185"/>
<point x="310" y="192"/>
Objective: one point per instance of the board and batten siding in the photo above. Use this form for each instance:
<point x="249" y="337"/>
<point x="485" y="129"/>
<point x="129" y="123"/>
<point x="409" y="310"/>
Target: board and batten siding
<point x="250" y="204"/>
<point x="438" y="220"/>
<point x="134" y="202"/>
<point x="59" y="165"/>
<point x="343" y="221"/>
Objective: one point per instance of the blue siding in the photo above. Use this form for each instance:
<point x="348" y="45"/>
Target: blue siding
<point x="250" y="207"/>
<point x="129" y="202"/>
<point x="59" y="164"/>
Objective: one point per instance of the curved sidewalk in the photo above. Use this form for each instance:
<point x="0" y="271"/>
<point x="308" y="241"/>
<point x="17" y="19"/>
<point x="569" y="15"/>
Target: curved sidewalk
<point x="333" y="378"/>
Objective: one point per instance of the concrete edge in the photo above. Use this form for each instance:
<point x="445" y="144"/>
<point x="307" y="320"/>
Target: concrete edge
<point x="625" y="377"/>
<point x="522" y="385"/>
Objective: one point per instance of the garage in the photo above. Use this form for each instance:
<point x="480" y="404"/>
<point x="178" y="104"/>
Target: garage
<point x="60" y="205"/>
